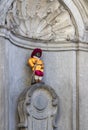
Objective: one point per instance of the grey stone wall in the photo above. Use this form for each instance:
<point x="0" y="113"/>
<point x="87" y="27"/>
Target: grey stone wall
<point x="83" y="90"/>
<point x="60" y="73"/>
<point x="65" y="71"/>
<point x="66" y="62"/>
<point x="2" y="93"/>
<point x="4" y="88"/>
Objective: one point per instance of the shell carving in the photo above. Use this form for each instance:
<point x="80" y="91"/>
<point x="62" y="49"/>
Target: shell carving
<point x="41" y="19"/>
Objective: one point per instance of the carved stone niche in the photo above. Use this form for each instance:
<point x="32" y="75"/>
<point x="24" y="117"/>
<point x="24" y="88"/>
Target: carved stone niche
<point x="38" y="108"/>
<point x="40" y="19"/>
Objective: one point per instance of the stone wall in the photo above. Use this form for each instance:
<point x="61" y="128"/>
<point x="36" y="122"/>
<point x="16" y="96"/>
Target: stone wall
<point x="64" y="56"/>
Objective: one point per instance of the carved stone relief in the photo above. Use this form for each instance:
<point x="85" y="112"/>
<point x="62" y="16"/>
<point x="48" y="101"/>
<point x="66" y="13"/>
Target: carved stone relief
<point x="40" y="19"/>
<point x="38" y="108"/>
<point x="30" y="23"/>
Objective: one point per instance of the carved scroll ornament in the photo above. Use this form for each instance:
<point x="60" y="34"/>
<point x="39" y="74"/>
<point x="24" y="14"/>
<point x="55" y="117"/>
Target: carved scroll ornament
<point x="40" y="19"/>
<point x="38" y="108"/>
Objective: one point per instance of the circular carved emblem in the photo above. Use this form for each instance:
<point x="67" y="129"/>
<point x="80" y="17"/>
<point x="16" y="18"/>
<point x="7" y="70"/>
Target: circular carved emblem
<point x="40" y="102"/>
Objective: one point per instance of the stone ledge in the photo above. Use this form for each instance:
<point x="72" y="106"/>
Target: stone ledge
<point x="45" y="45"/>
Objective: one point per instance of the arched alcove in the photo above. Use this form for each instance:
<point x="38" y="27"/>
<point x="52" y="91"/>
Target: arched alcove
<point x="61" y="58"/>
<point x="47" y="32"/>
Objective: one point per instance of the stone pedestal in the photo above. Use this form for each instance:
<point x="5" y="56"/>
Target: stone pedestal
<point x="38" y="108"/>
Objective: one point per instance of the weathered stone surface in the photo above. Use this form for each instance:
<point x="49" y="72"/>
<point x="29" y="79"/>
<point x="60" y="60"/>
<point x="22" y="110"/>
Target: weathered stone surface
<point x="45" y="20"/>
<point x="38" y="108"/>
<point x="2" y="98"/>
<point x="58" y="74"/>
<point x="83" y="90"/>
<point x="78" y="20"/>
<point x="83" y="7"/>
<point x="65" y="62"/>
<point x="4" y="88"/>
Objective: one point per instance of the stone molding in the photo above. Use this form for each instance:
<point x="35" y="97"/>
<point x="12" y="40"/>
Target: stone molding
<point x="82" y="5"/>
<point x="77" y="17"/>
<point x="45" y="45"/>
<point x="38" y="103"/>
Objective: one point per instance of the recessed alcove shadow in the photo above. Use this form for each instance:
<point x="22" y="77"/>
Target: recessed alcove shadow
<point x="57" y="73"/>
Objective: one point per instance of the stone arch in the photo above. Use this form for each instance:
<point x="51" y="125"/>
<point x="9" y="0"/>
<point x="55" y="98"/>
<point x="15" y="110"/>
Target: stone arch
<point x="77" y="16"/>
<point x="76" y="20"/>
